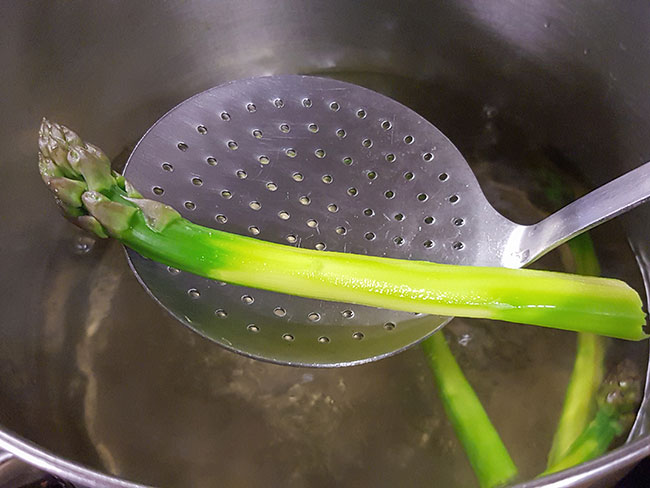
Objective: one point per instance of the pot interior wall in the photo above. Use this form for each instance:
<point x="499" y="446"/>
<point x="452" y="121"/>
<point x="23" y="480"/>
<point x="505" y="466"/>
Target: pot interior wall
<point x="92" y="369"/>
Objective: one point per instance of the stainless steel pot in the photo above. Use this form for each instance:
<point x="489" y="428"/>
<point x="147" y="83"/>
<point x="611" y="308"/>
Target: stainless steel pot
<point x="99" y="386"/>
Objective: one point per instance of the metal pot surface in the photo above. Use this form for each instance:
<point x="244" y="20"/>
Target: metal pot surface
<point x="100" y="386"/>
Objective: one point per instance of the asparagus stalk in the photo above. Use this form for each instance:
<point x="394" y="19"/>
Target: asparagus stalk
<point x="580" y="398"/>
<point x="98" y="200"/>
<point x="487" y="454"/>
<point x="618" y="399"/>
<point x="579" y="401"/>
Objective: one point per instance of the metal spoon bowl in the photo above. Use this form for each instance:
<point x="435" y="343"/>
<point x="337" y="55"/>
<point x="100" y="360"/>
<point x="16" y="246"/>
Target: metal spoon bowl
<point x="323" y="164"/>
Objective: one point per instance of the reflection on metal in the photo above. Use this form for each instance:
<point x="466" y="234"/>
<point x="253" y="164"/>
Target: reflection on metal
<point x="314" y="140"/>
<point x="101" y="69"/>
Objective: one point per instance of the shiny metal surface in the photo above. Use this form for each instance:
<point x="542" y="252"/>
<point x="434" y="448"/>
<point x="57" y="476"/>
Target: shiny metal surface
<point x="14" y="472"/>
<point x="319" y="164"/>
<point x="333" y="166"/>
<point x="528" y="243"/>
<point x="95" y="377"/>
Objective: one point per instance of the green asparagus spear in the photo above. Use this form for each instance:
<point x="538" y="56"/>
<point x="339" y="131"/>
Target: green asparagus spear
<point x="579" y="401"/>
<point x="618" y="399"/>
<point x="577" y="441"/>
<point x="93" y="197"/>
<point x="487" y="454"/>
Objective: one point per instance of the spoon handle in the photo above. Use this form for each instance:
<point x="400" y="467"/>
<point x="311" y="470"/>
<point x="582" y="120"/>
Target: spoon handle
<point x="600" y="205"/>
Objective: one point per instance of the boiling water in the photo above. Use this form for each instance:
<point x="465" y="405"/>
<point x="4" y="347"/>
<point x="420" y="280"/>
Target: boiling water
<point x="146" y="399"/>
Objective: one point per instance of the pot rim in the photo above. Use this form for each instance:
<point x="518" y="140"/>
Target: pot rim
<point x="30" y="452"/>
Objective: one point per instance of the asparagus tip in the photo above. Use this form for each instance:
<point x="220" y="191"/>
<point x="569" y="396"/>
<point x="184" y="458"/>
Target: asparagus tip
<point x="621" y="391"/>
<point x="70" y="168"/>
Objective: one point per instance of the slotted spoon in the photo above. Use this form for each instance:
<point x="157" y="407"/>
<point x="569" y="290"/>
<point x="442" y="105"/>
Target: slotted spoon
<point x="324" y="164"/>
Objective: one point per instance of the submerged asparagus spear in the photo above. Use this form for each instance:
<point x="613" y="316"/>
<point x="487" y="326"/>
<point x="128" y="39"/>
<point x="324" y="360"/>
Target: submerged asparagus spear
<point x="95" y="198"/>
<point x="579" y="400"/>
<point x="576" y="439"/>
<point x="618" y="399"/>
<point x="587" y="374"/>
<point x="487" y="454"/>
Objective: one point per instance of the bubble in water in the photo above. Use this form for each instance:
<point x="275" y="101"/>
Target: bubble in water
<point x="84" y="244"/>
<point x="465" y="339"/>
<point x="489" y="111"/>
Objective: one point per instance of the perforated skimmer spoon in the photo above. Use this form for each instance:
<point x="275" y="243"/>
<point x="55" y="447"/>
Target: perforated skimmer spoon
<point x="320" y="163"/>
